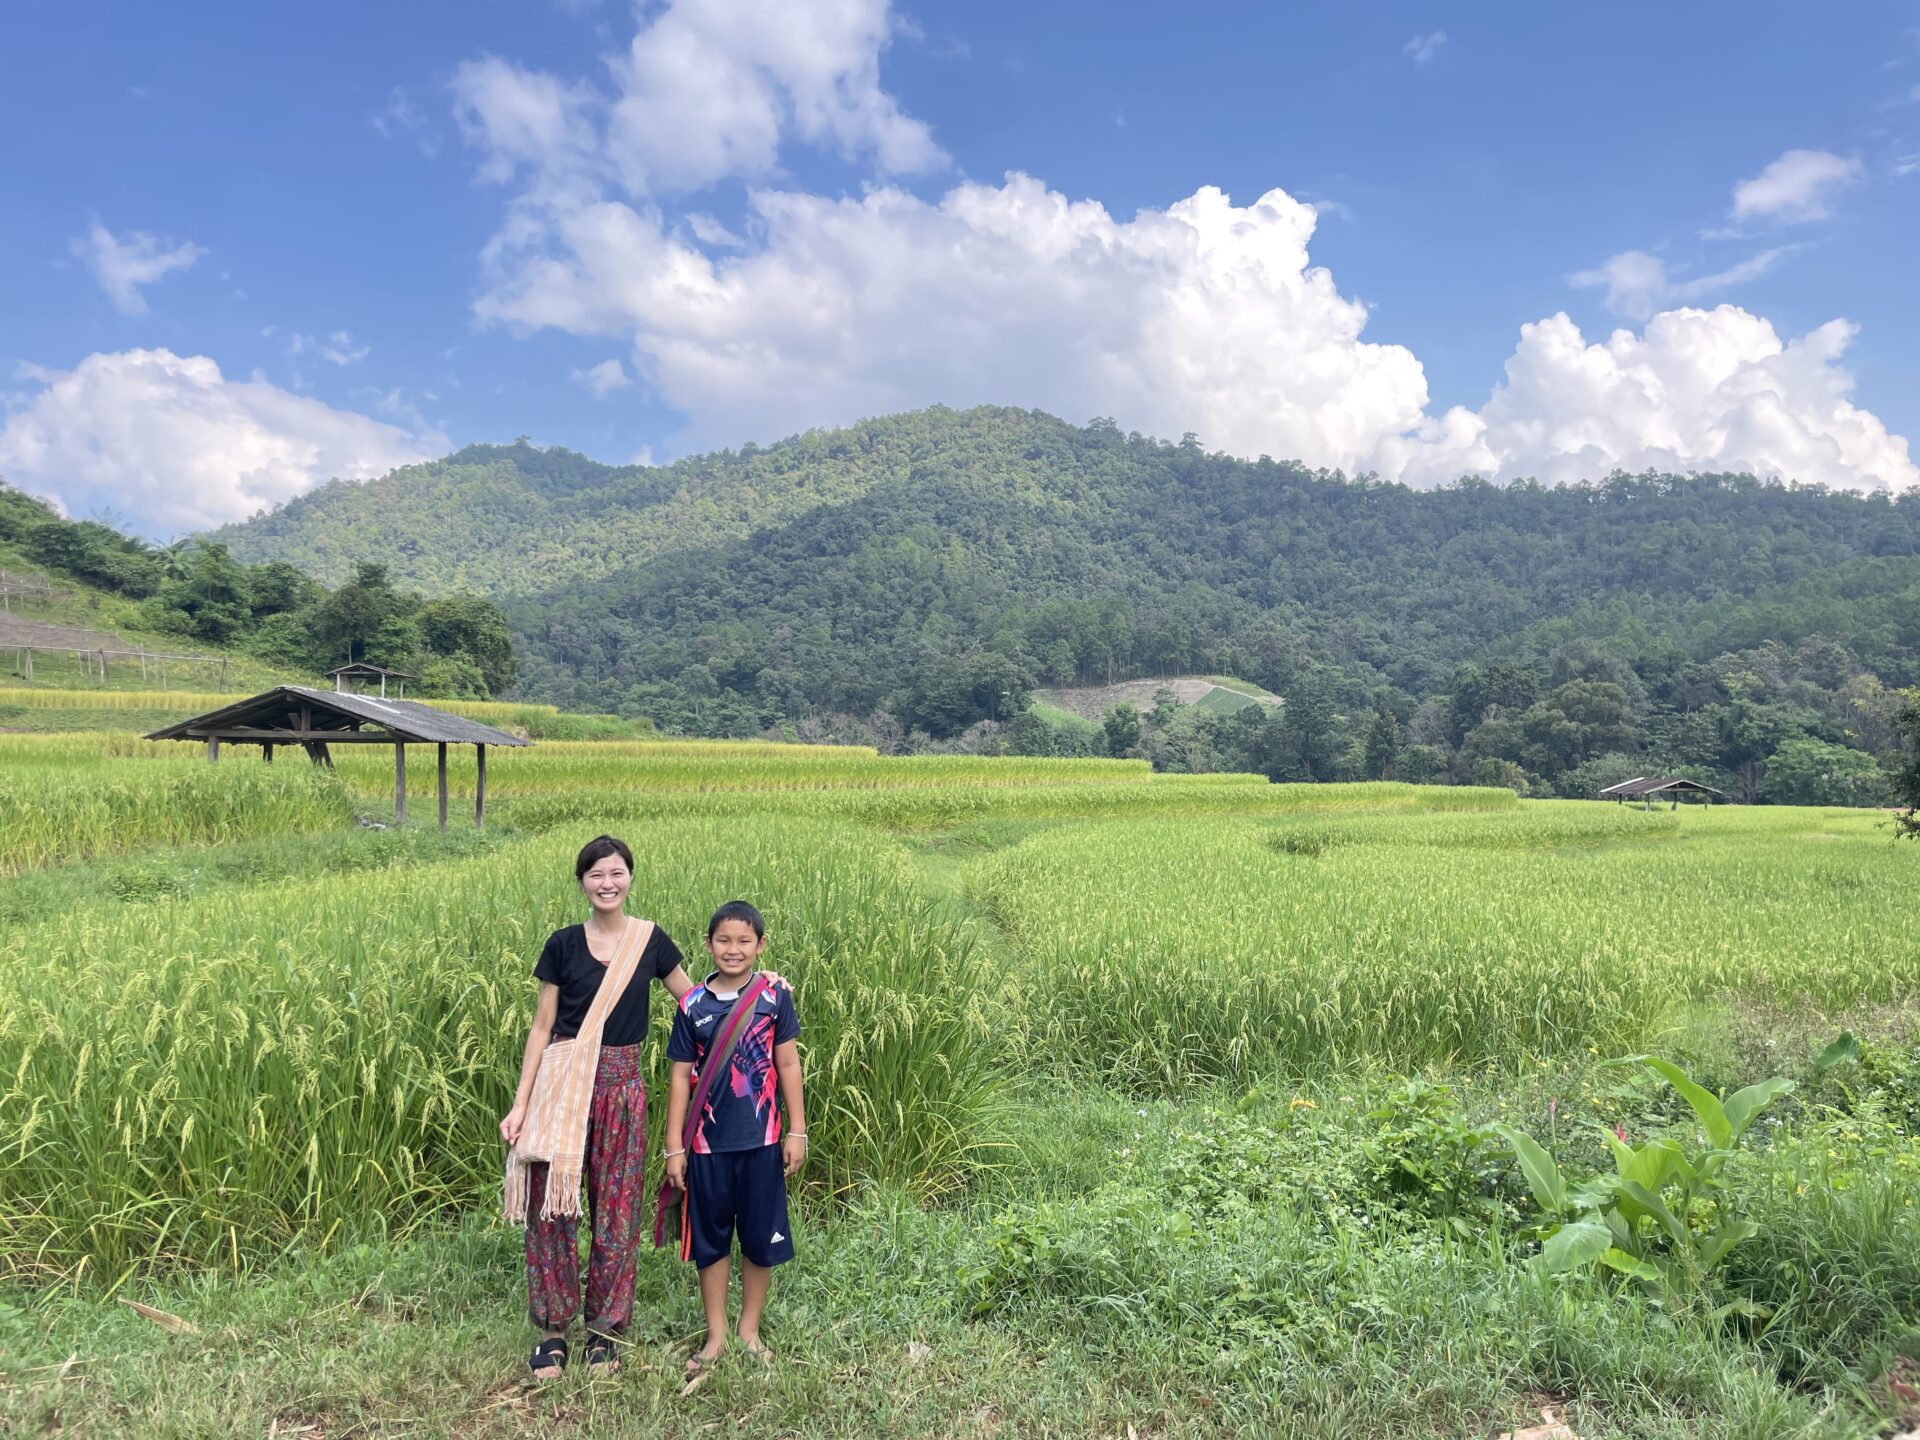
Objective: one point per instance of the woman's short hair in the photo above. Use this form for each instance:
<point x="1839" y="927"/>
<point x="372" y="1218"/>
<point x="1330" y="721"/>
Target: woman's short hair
<point x="598" y="849"/>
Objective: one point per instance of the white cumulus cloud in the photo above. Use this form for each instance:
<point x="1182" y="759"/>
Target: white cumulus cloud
<point x="1422" y="48"/>
<point x="123" y="264"/>
<point x="1696" y="390"/>
<point x="526" y="122"/>
<point x="1204" y="316"/>
<point x="1637" y="284"/>
<point x="171" y="442"/>
<point x="707" y="90"/>
<point x="1800" y="185"/>
<point x="603" y="379"/>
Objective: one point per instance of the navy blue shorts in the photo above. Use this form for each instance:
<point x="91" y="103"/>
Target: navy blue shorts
<point x="743" y="1191"/>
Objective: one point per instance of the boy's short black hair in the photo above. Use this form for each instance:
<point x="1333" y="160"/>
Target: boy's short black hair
<point x="738" y="910"/>
<point x="598" y="849"/>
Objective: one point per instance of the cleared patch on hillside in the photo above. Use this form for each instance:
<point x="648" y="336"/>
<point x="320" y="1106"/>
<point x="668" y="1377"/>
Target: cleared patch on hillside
<point x="1221" y="695"/>
<point x="15" y="630"/>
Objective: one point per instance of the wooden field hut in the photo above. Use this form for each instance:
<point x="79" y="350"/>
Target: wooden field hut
<point x="316" y="720"/>
<point x="360" y="671"/>
<point x="1645" y="787"/>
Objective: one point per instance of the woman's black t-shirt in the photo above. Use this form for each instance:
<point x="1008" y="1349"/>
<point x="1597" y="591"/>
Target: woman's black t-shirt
<point x="568" y="963"/>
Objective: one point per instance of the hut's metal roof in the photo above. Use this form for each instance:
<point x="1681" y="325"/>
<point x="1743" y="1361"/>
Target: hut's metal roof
<point x="361" y="667"/>
<point x="1653" y="785"/>
<point x="406" y="721"/>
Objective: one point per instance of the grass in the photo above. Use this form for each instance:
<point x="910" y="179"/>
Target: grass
<point x="1245" y="687"/>
<point x="1066" y="1301"/>
<point x="1224" y="700"/>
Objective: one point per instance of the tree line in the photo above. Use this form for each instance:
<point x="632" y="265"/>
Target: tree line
<point x="458" y="645"/>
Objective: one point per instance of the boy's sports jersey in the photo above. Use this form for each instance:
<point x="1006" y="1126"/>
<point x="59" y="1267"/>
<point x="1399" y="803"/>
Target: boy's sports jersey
<point x="743" y="1108"/>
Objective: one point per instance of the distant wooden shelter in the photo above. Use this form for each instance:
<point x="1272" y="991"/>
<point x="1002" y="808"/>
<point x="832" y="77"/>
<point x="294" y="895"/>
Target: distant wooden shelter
<point x="344" y="678"/>
<point x="318" y="719"/>
<point x="1645" y="787"/>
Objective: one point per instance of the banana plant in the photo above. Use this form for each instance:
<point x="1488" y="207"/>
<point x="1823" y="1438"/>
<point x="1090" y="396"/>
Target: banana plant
<point x="1664" y="1218"/>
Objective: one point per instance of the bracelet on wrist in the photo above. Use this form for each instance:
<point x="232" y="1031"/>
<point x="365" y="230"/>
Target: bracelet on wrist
<point x="796" y="1134"/>
<point x="671" y="1153"/>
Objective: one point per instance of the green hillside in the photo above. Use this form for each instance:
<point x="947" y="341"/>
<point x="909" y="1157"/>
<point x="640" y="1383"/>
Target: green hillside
<point x="925" y="572"/>
<point x="87" y="611"/>
<point x="509" y="518"/>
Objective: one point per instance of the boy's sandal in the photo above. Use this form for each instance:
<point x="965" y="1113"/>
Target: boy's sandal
<point x="549" y="1359"/>
<point x="697" y="1364"/>
<point x="601" y="1354"/>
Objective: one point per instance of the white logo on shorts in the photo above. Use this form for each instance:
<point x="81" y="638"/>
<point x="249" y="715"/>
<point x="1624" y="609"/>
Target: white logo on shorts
<point x="777" y="1238"/>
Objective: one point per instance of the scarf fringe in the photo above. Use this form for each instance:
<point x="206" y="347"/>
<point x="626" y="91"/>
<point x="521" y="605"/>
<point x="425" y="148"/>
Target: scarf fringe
<point x="562" y="1198"/>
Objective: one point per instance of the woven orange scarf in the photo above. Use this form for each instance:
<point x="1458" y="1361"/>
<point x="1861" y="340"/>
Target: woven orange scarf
<point x="556" y="1130"/>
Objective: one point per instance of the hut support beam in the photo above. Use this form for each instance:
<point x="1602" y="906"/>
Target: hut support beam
<point x="480" y="788"/>
<point x="443" y="785"/>
<point x="213" y="749"/>
<point x="399" y="784"/>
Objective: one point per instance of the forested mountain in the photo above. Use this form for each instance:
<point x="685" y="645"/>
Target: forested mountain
<point x="923" y="571"/>
<point x="511" y="518"/>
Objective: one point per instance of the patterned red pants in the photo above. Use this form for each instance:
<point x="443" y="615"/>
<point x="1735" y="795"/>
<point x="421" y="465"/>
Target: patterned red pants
<point x="616" y="1184"/>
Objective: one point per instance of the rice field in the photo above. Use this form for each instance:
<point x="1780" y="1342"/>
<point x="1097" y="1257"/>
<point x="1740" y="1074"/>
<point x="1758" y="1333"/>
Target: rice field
<point x="193" y="702"/>
<point x="1244" y="949"/>
<point x="304" y="1053"/>
<point x="196" y="1082"/>
<point x="52" y="814"/>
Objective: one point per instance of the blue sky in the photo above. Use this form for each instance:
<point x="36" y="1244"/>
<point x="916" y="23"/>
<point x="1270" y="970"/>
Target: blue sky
<point x="248" y="252"/>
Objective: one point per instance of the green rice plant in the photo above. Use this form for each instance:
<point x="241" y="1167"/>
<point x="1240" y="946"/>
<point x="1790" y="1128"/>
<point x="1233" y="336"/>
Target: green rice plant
<point x="650" y="768"/>
<point x="1523" y="828"/>
<point x="1155" y="954"/>
<point x="196" y="701"/>
<point x="214" y="1080"/>
<point x="53" y="814"/>
<point x="925" y="807"/>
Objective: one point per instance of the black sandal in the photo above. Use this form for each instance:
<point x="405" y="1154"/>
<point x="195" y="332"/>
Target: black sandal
<point x="549" y="1359"/>
<point x="601" y="1355"/>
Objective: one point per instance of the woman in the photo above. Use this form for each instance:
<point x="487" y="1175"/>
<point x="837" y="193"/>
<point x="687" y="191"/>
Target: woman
<point x="561" y="1128"/>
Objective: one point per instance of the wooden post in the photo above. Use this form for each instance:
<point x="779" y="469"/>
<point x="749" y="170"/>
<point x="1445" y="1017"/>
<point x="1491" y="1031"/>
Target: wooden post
<point x="399" y="784"/>
<point x="266" y="752"/>
<point x="213" y="748"/>
<point x="480" y="788"/>
<point x="443" y="785"/>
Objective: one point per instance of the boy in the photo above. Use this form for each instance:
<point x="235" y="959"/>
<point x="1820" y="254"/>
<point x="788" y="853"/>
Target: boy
<point x="736" y="1176"/>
